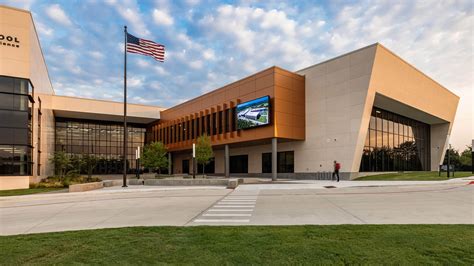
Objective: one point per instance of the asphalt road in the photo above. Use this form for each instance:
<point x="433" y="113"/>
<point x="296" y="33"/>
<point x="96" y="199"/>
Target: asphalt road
<point x="287" y="204"/>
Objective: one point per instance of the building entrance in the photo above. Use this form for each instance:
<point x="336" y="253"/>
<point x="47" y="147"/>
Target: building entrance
<point x="185" y="166"/>
<point x="239" y="164"/>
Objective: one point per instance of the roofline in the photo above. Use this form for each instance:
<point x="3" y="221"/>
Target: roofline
<point x="230" y="84"/>
<point x="416" y="69"/>
<point x="108" y="101"/>
<point x="37" y="38"/>
<point x="377" y="44"/>
<point x="337" y="57"/>
<point x="15" y="8"/>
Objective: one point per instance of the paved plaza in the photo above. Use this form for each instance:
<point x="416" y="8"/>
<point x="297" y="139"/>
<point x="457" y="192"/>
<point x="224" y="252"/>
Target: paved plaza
<point x="282" y="203"/>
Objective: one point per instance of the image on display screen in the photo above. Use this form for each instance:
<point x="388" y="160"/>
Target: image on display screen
<point x="253" y="113"/>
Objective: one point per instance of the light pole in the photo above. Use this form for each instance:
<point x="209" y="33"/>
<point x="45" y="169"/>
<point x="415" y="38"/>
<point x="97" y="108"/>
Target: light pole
<point x="448" y="159"/>
<point x="138" y="161"/>
<point x="194" y="161"/>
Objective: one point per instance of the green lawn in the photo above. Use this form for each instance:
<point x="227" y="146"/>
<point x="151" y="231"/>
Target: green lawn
<point x="415" y="176"/>
<point x="245" y="245"/>
<point x="26" y="191"/>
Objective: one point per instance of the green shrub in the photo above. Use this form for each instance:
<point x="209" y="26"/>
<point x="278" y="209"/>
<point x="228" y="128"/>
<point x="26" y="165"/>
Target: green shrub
<point x="57" y="182"/>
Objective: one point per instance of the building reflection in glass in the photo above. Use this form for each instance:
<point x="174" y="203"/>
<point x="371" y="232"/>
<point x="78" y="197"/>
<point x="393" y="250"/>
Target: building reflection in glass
<point x="102" y="139"/>
<point x="395" y="143"/>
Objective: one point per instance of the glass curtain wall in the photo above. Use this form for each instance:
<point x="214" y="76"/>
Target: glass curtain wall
<point x="395" y="143"/>
<point x="285" y="161"/>
<point x="16" y="105"/>
<point x="102" y="139"/>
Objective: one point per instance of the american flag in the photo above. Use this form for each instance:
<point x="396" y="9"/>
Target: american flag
<point x="145" y="47"/>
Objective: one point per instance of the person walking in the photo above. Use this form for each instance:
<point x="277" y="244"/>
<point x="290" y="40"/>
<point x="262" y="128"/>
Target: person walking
<point x="337" y="167"/>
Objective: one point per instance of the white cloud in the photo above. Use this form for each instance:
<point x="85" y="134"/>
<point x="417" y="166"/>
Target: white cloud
<point x="435" y="38"/>
<point x="209" y="54"/>
<point x="130" y="11"/>
<point x="143" y="63"/>
<point x="197" y="64"/>
<point x="192" y="2"/>
<point x="161" y="17"/>
<point x="135" y="82"/>
<point x="96" y="55"/>
<point x="44" y="30"/>
<point x="160" y="70"/>
<point x="23" y="4"/>
<point x="265" y="37"/>
<point x="56" y="13"/>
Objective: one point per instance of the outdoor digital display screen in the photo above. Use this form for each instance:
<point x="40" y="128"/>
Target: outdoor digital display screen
<point x="253" y="113"/>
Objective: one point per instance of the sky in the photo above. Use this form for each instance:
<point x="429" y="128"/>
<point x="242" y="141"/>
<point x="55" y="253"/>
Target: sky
<point x="212" y="43"/>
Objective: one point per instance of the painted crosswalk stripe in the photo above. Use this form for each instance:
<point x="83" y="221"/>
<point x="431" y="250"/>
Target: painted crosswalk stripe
<point x="222" y="221"/>
<point x="232" y="206"/>
<point x="241" y="197"/>
<point x="230" y="210"/>
<point x="236" y="203"/>
<point x="227" y="214"/>
<point x="240" y="200"/>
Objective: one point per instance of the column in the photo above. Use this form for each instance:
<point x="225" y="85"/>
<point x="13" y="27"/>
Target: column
<point x="226" y="161"/>
<point x="274" y="159"/>
<point x="169" y="163"/>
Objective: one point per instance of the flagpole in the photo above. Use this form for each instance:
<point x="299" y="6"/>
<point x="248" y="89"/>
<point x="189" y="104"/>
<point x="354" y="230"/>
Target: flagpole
<point x="125" y="132"/>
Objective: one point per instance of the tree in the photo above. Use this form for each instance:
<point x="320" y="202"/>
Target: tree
<point x="453" y="158"/>
<point x="75" y="166"/>
<point x="204" y="151"/>
<point x="154" y="156"/>
<point x="466" y="159"/>
<point x="90" y="162"/>
<point x="61" y="163"/>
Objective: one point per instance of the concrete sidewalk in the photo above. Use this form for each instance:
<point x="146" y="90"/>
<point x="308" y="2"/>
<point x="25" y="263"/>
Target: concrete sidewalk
<point x="323" y="184"/>
<point x="288" y="203"/>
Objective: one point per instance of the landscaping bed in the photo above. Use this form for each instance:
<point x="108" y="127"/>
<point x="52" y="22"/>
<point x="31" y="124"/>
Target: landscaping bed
<point x="247" y="245"/>
<point x="27" y="191"/>
<point x="414" y="176"/>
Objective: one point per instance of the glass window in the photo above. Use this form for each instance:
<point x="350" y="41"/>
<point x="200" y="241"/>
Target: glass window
<point x="226" y="120"/>
<point x="6" y="153"/>
<point x="13" y="119"/>
<point x="266" y="162"/>
<point x="214" y="124"/>
<point x="6" y="101"/>
<point x="390" y="126"/>
<point x="378" y="122"/>
<point x="7" y="84"/>
<point x="378" y="141"/>
<point x="220" y="122"/>
<point x="372" y="138"/>
<point x="372" y="122"/>
<point x="20" y="102"/>
<point x="399" y="147"/>
<point x="285" y="162"/>
<point x="99" y="138"/>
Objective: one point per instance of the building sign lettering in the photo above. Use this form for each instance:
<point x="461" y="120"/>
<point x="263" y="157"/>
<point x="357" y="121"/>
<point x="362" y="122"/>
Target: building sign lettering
<point x="7" y="40"/>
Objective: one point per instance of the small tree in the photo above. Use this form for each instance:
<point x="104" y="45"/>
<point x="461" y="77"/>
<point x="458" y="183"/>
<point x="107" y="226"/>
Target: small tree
<point x="75" y="166"/>
<point x="204" y="151"/>
<point x="454" y="158"/>
<point x="466" y="159"/>
<point x="89" y="162"/>
<point x="154" y="156"/>
<point x="61" y="163"/>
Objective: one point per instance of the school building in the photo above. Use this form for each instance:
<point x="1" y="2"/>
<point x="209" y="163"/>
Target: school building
<point x="368" y="109"/>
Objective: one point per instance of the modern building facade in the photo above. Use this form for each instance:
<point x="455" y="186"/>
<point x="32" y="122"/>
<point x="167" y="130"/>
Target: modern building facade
<point x="369" y="109"/>
<point x="34" y="122"/>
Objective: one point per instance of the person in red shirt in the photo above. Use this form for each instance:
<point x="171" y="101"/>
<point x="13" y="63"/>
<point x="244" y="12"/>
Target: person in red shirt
<point x="337" y="167"/>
